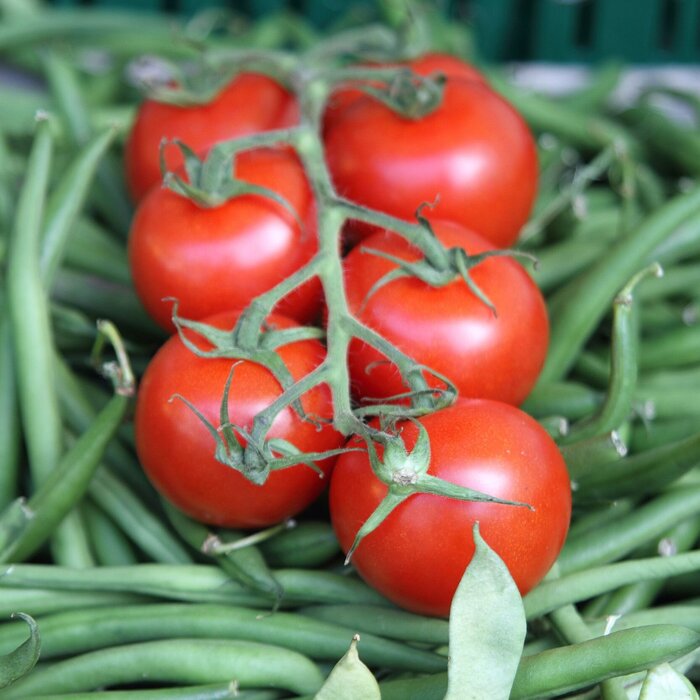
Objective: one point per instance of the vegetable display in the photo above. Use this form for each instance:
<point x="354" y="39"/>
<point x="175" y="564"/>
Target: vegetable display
<point x="340" y="366"/>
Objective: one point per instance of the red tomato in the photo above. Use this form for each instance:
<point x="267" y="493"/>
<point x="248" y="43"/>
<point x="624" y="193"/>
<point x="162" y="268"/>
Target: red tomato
<point x="417" y="556"/>
<point x="248" y="104"/>
<point x="474" y="154"/>
<point x="177" y="451"/>
<point x="219" y="258"/>
<point x="448" y="328"/>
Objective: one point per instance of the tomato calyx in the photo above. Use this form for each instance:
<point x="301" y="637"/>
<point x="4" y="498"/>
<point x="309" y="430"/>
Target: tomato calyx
<point x="457" y="263"/>
<point x="409" y="95"/>
<point x="405" y="474"/>
<point x="223" y="345"/>
<point x="212" y="180"/>
<point x="255" y="459"/>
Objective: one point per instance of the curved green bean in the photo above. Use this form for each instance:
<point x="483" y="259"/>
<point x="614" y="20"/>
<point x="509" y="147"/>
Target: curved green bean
<point x="578" y="307"/>
<point x="557" y="671"/>
<point x="191" y="582"/>
<point x="75" y="632"/>
<point x="644" y="524"/>
<point x="581" y="585"/>
<point x="183" y="661"/>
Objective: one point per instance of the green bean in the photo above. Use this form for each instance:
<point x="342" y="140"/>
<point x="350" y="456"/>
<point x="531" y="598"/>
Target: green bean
<point x="28" y="309"/>
<point x="643" y="473"/>
<point x="38" y="601"/>
<point x="595" y="519"/>
<point x="581" y="585"/>
<point x="671" y="378"/>
<point x="559" y="262"/>
<point x="660" y="316"/>
<point x="383" y="621"/>
<point x="33" y="344"/>
<point x="66" y="484"/>
<point x="110" y="545"/>
<point x="568" y="399"/>
<point x="556" y="426"/>
<point x="682" y="244"/>
<point x="593" y="368"/>
<point x="67" y="201"/>
<point x="79" y="413"/>
<point x="651" y="434"/>
<point x="582" y="178"/>
<point x="594" y="216"/>
<point x="636" y="596"/>
<point x="577" y="308"/>
<point x="197" y="583"/>
<point x="246" y="565"/>
<point x="570" y="626"/>
<point x="139" y="524"/>
<point x="210" y="691"/>
<point x="92" y="250"/>
<point x="623" y="365"/>
<point x="588" y="132"/>
<point x="10" y="436"/>
<point x="676" y="348"/>
<point x="676" y="614"/>
<point x="676" y="280"/>
<point x="101" y="297"/>
<point x="592" y="454"/>
<point x="652" y="192"/>
<point x="308" y="544"/>
<point x="557" y="671"/>
<point x="109" y="191"/>
<point x="74" y="632"/>
<point x="645" y="523"/>
<point x="665" y="138"/>
<point x="183" y="661"/>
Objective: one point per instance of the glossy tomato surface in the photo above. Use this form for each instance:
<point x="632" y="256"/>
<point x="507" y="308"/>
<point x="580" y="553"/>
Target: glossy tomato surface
<point x="219" y="258"/>
<point x="177" y="450"/>
<point x="448" y="328"/>
<point x="248" y="104"/>
<point x="418" y="555"/>
<point x="473" y="156"/>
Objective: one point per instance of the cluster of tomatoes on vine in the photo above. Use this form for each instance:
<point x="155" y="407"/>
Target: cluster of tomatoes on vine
<point x="474" y="159"/>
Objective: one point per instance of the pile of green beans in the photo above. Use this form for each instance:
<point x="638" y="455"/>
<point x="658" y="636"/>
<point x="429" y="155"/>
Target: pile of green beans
<point x="123" y="588"/>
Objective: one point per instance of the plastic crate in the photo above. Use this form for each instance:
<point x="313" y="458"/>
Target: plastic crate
<point x="561" y="31"/>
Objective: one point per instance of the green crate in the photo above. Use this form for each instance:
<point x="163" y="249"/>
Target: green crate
<point x="561" y="31"/>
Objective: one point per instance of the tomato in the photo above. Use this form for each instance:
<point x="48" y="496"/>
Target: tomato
<point x="177" y="451"/>
<point x="473" y="156"/>
<point x="248" y="104"/>
<point x="417" y="556"/>
<point x="448" y="328"/>
<point x="219" y="258"/>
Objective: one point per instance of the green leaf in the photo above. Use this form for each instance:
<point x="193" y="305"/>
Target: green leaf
<point x="487" y="629"/>
<point x="663" y="682"/>
<point x="350" y="679"/>
<point x="22" y="660"/>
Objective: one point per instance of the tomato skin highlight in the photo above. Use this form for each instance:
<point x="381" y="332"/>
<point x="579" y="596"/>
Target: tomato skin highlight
<point x="474" y="157"/>
<point x="417" y="556"/>
<point x="177" y="451"/>
<point x="448" y="328"/>
<point x="219" y="258"/>
<point x="248" y="104"/>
